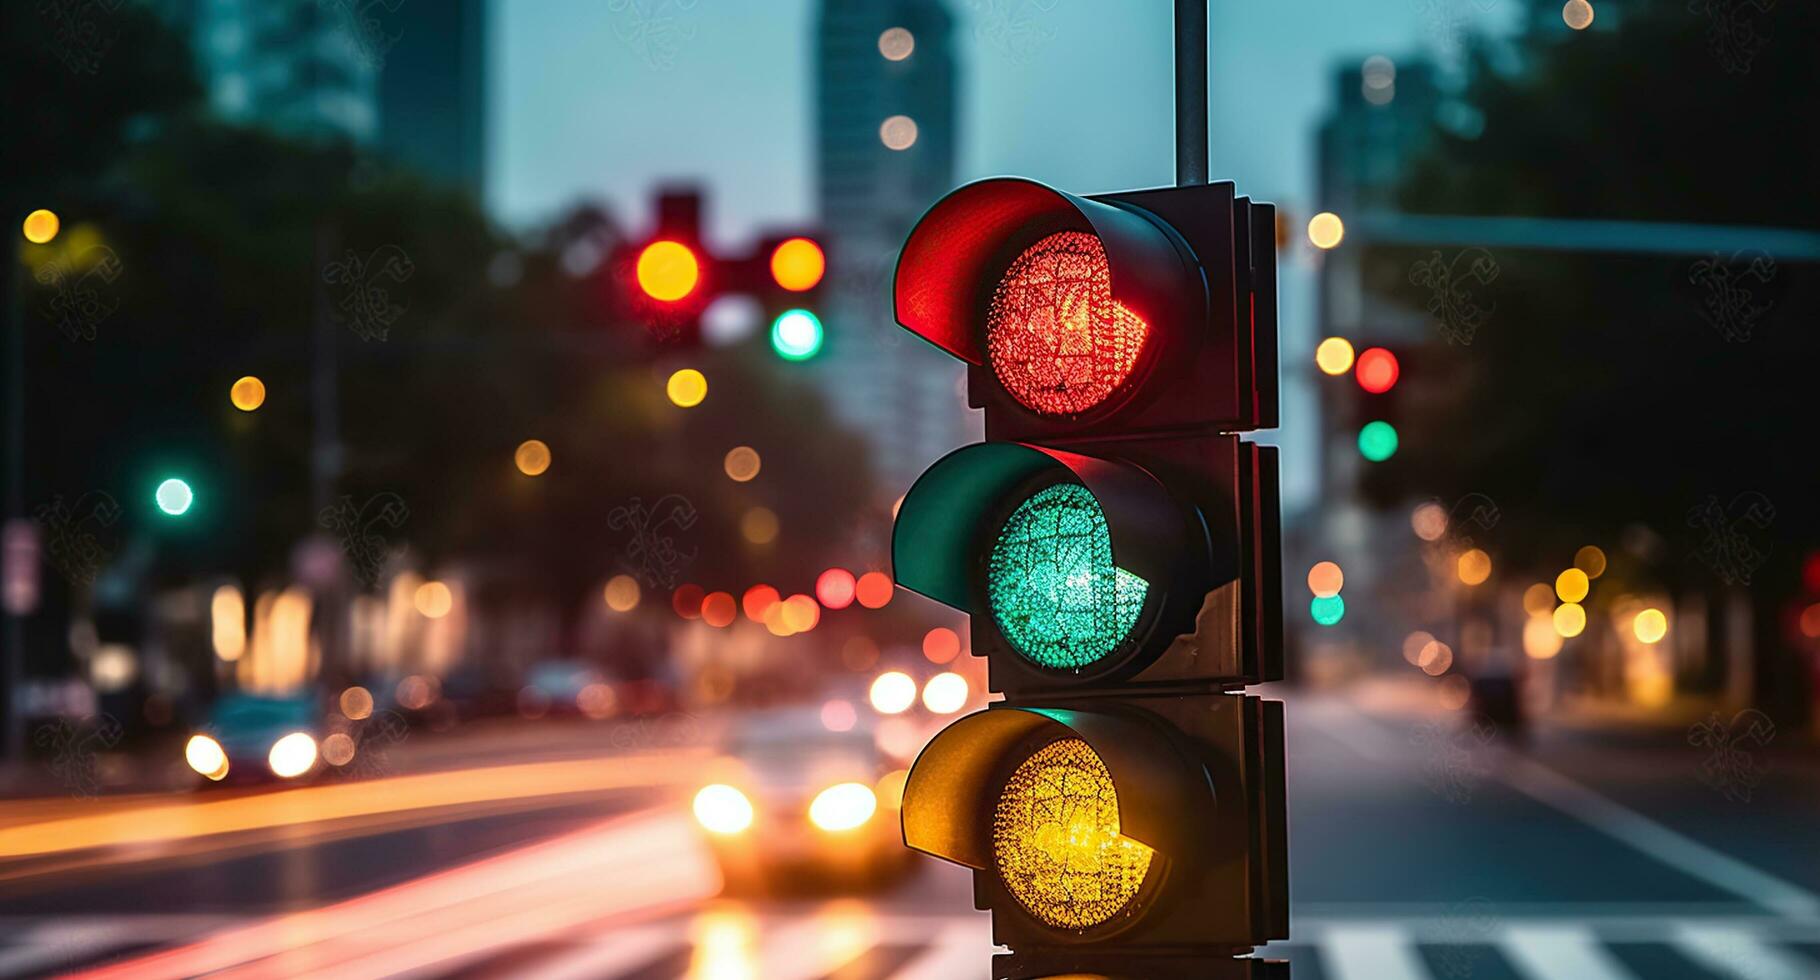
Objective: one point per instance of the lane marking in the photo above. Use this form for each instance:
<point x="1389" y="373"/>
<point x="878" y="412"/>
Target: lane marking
<point x="960" y="950"/>
<point x="1740" y="953"/>
<point x="1382" y="952"/>
<point x="1557" y="952"/>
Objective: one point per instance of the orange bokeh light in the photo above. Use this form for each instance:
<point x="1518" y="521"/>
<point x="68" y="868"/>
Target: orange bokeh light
<point x="798" y="264"/>
<point x="835" y="588"/>
<point x="668" y="270"/>
<point x="941" y="645"/>
<point x="758" y="600"/>
<point x="801" y="613"/>
<point x="718" y="609"/>
<point x="873" y="590"/>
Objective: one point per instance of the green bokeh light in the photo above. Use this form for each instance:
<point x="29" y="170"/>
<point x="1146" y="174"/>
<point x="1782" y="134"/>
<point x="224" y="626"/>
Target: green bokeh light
<point x="1327" y="610"/>
<point x="796" y="335"/>
<point x="174" y="497"/>
<point x="1378" y="441"/>
<point x="1051" y="583"/>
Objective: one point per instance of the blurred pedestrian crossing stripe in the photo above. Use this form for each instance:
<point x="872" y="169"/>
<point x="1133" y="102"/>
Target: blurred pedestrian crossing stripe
<point x="724" y="941"/>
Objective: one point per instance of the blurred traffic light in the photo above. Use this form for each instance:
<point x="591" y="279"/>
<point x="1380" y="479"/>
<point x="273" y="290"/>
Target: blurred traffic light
<point x="174" y="497"/>
<point x="1378" y="441"/>
<point x="797" y="264"/>
<point x="41" y="226"/>
<point x="668" y="271"/>
<point x="796" y="335"/>
<point x="1116" y="545"/>
<point x="1376" y="370"/>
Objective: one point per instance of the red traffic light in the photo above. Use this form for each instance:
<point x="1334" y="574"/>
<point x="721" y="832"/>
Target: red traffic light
<point x="1057" y="340"/>
<point x="1377" y="370"/>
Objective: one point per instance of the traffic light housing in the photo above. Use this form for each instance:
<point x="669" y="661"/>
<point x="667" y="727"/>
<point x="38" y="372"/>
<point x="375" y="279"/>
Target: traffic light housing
<point x="1117" y="545"/>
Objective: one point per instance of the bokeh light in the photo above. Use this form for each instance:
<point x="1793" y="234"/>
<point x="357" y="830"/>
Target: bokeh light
<point x="945" y="693"/>
<point x="174" y="497"/>
<point x="1453" y="692"/>
<point x="1325" y="579"/>
<point x="668" y="270"/>
<point x="873" y="590"/>
<point x="1414" y="644"/>
<point x="892" y="692"/>
<point x="1590" y="560"/>
<point x="758" y="600"/>
<point x="1572" y="585"/>
<point x="433" y="600"/>
<point x="1377" y="370"/>
<point x="687" y="599"/>
<point x="338" y="749"/>
<point x="1570" y="619"/>
<point x="796" y="335"/>
<point x="1429" y="521"/>
<point x="1810" y="621"/>
<point x="532" y="457"/>
<point x="1577" y="14"/>
<point x="941" y="644"/>
<point x="759" y="525"/>
<point x="896" y="44"/>
<point x="622" y="593"/>
<point x="1325" y="230"/>
<point x="1540" y="641"/>
<point x="1328" y="610"/>
<point x="686" y="388"/>
<point x="41" y="226"/>
<point x="801" y="613"/>
<point x="1334" y="356"/>
<point x="247" y="394"/>
<point x="1473" y="567"/>
<point x="719" y="610"/>
<point x="838" y="715"/>
<point x="798" y="264"/>
<point x="1435" y="659"/>
<point x="1650" y="626"/>
<point x="742" y="464"/>
<point x="1378" y="441"/>
<point x="1539" y="599"/>
<point x="835" y="588"/>
<point x="898" y="132"/>
<point x="356" y="703"/>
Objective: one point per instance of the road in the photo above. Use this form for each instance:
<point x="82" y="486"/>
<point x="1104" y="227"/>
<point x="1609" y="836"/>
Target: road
<point x="1419" y="850"/>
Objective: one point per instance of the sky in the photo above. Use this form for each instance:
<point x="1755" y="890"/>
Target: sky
<point x="605" y="99"/>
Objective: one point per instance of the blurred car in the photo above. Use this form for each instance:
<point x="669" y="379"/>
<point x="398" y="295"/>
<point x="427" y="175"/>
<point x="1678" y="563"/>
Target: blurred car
<point x="794" y="802"/>
<point x="566" y="687"/>
<point x="250" y="738"/>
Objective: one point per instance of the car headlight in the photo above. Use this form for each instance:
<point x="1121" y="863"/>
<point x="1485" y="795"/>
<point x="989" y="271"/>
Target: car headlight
<point x="206" y="756"/>
<point x="843" y="806"/>
<point x="292" y="755"/>
<point x="722" y="809"/>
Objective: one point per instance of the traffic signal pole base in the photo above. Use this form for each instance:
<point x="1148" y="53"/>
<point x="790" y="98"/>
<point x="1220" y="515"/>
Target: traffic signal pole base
<point x="1060" y="964"/>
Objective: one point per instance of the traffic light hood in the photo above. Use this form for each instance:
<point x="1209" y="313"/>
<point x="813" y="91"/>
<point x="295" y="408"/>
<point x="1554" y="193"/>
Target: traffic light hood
<point x="957" y="253"/>
<point x="942" y="528"/>
<point x="960" y="774"/>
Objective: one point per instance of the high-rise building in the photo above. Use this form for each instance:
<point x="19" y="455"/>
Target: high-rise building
<point x="885" y="142"/>
<point x="432" y="92"/>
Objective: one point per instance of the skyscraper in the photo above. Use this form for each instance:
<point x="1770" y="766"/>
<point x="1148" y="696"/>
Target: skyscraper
<point x="885" y="142"/>
<point x="432" y="92"/>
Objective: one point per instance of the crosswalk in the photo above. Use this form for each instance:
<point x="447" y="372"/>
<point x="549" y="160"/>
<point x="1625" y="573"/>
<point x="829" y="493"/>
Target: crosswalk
<point x="847" y="940"/>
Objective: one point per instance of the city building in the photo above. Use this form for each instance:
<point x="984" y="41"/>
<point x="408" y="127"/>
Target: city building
<point x="432" y="92"/>
<point x="885" y="151"/>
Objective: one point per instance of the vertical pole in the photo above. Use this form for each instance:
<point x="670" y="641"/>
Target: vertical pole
<point x="1190" y="92"/>
<point x="12" y="669"/>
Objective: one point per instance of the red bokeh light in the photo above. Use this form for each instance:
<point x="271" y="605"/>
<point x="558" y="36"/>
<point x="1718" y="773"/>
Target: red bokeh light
<point x="1058" y="341"/>
<point x="757" y="600"/>
<point x="834" y="588"/>
<point x="686" y="600"/>
<point x="718" y="609"/>
<point x="1377" y="370"/>
<point x="873" y="590"/>
<point x="941" y="645"/>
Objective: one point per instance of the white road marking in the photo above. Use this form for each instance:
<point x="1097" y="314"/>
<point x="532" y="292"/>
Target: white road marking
<point x="1560" y="952"/>
<point x="1370" y="952"/>
<point x="961" y="950"/>
<point x="1740" y="953"/>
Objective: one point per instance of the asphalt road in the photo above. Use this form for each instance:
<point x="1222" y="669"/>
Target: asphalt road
<point x="1420" y="849"/>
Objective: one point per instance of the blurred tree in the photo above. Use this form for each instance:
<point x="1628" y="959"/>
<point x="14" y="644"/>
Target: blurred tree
<point x="1632" y="399"/>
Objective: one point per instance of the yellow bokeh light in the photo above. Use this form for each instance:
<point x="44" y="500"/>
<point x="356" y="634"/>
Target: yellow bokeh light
<point x="1325" y="230"/>
<point x="1539" y="599"/>
<point x="433" y="600"/>
<point x="532" y="457"/>
<point x="759" y="525"/>
<point x="1590" y="560"/>
<point x="41" y="226"/>
<point x="687" y="388"/>
<point x="247" y="394"/>
<point x="1572" y="585"/>
<point x="798" y="264"/>
<point x="742" y="463"/>
<point x="622" y="593"/>
<point x="668" y="270"/>
<point x="1540" y="641"/>
<point x="1577" y="14"/>
<point x="1650" y="626"/>
<point x="1474" y="567"/>
<point x="1570" y="619"/>
<point x="1334" y="356"/>
<point x="1056" y="839"/>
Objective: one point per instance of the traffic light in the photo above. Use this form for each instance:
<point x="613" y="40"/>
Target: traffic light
<point x="1117" y="545"/>
<point x="789" y="292"/>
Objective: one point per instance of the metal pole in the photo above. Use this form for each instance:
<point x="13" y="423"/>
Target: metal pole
<point x="12" y="671"/>
<point x="1190" y="92"/>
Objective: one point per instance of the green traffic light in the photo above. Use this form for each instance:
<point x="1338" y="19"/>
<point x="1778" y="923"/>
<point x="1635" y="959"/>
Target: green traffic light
<point x="1327" y="610"/>
<point x="1051" y="583"/>
<point x="796" y="335"/>
<point x="1378" y="441"/>
<point x="174" y="497"/>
